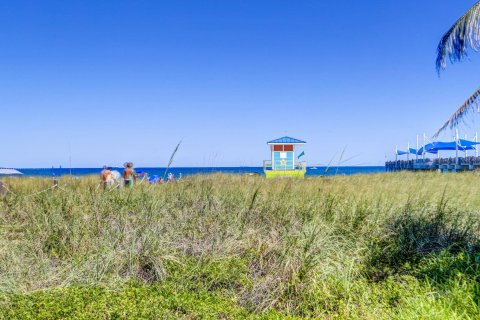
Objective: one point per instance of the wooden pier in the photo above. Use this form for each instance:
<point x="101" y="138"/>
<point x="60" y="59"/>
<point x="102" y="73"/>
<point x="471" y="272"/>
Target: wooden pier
<point x="441" y="164"/>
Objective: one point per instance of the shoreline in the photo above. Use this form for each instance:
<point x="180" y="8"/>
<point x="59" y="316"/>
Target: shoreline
<point x="187" y="171"/>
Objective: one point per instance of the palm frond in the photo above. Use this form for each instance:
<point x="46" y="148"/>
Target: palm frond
<point x="461" y="112"/>
<point x="464" y="34"/>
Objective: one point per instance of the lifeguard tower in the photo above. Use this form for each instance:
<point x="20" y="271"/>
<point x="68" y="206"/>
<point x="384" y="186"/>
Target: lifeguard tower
<point x="284" y="163"/>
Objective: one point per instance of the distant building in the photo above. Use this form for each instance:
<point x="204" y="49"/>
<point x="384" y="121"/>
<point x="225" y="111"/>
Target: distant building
<point x="285" y="162"/>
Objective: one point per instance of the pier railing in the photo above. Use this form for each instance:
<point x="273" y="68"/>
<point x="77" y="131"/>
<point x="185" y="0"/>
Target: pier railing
<point x="438" y="164"/>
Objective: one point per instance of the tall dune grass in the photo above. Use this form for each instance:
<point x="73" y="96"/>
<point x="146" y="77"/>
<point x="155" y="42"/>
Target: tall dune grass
<point x="369" y="246"/>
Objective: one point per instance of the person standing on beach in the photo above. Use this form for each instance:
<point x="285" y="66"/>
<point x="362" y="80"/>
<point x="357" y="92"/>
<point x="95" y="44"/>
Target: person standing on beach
<point x="129" y="175"/>
<point x="106" y="176"/>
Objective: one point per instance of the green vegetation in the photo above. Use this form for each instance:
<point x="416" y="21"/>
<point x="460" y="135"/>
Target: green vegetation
<point x="386" y="246"/>
<point x="454" y="46"/>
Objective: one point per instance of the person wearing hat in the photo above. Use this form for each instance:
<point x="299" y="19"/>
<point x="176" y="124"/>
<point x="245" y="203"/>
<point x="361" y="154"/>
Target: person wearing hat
<point x="129" y="176"/>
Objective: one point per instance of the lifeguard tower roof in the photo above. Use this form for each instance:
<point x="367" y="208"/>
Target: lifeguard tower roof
<point x="286" y="140"/>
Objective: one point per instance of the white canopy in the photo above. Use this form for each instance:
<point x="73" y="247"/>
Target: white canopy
<point x="9" y="171"/>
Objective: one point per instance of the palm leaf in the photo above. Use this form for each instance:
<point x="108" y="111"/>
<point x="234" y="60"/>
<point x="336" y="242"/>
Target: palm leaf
<point x="464" y="34"/>
<point x="458" y="115"/>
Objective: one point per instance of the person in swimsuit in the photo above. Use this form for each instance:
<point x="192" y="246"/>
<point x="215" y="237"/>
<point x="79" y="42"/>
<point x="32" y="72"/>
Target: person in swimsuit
<point x="106" y="176"/>
<point x="129" y="175"/>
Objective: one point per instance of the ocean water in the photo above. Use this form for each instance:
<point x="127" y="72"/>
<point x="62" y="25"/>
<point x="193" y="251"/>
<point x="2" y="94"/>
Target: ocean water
<point x="177" y="171"/>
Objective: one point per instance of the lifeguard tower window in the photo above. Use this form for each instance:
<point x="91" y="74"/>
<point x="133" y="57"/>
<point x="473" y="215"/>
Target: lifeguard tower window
<point x="283" y="147"/>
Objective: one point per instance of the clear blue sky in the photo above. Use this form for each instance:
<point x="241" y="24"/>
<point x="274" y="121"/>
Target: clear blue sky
<point x="126" y="80"/>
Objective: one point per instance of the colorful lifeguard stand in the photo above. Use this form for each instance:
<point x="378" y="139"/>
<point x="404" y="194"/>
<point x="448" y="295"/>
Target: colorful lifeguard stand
<point x="283" y="162"/>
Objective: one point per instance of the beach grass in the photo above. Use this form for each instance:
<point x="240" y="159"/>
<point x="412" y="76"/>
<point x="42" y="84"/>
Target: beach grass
<point x="383" y="246"/>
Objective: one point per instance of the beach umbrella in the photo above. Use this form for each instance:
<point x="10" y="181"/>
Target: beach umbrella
<point x="9" y="171"/>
